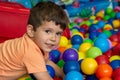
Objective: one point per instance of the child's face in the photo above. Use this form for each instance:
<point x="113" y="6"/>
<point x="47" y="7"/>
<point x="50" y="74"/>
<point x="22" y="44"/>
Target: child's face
<point x="47" y="36"/>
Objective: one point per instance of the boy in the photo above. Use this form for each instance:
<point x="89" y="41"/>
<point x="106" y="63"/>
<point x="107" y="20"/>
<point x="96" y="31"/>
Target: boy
<point x="29" y="53"/>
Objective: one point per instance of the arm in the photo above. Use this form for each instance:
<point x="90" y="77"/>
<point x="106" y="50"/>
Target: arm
<point x="42" y="76"/>
<point x="58" y="71"/>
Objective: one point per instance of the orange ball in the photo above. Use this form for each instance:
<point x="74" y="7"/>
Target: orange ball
<point x="61" y="49"/>
<point x="104" y="70"/>
<point x="105" y="78"/>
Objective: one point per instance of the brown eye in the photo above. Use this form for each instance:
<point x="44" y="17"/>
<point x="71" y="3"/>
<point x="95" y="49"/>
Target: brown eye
<point x="47" y="31"/>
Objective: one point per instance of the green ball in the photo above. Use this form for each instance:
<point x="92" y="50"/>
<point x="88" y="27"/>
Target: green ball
<point x="106" y="17"/>
<point x="113" y="14"/>
<point x="107" y="32"/>
<point x="60" y="63"/>
<point x="109" y="10"/>
<point x="93" y="52"/>
<point x="88" y="23"/>
<point x="88" y="40"/>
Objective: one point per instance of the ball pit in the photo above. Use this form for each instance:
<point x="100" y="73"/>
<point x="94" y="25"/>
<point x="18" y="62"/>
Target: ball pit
<point x="91" y="50"/>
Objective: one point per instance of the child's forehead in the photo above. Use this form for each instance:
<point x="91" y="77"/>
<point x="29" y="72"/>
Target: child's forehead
<point x="50" y="24"/>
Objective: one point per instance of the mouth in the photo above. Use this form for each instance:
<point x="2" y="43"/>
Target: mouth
<point x="50" y="46"/>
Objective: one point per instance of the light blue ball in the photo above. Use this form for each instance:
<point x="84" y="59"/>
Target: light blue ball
<point x="74" y="75"/>
<point x="102" y="44"/>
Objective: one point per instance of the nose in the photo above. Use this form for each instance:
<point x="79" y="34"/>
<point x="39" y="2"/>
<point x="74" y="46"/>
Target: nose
<point x="53" y="37"/>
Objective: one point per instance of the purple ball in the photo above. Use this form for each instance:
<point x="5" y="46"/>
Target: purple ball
<point x="70" y="54"/>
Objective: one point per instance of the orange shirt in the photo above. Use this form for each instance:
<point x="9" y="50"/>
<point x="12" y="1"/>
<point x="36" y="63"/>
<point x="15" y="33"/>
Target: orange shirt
<point x="18" y="57"/>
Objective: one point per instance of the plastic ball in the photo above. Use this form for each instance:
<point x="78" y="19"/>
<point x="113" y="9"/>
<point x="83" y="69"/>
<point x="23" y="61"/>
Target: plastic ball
<point x="118" y="15"/>
<point x="57" y="78"/>
<point x="76" y="46"/>
<point x="113" y="14"/>
<point x="84" y="47"/>
<point x="70" y="54"/>
<point x="108" y="27"/>
<point x="92" y="17"/>
<point x="54" y="55"/>
<point x="102" y="44"/>
<point x="117" y="78"/>
<point x="108" y="53"/>
<point x="116" y="72"/>
<point x="89" y="66"/>
<point x="74" y="75"/>
<point x="105" y="78"/>
<point x="106" y="17"/>
<point x="102" y="59"/>
<point x="93" y="52"/>
<point x="104" y="70"/>
<point x="63" y="41"/>
<point x="60" y="63"/>
<point x="81" y="55"/>
<point x="88" y="40"/>
<point x="61" y="49"/>
<point x="77" y="33"/>
<point x="50" y="70"/>
<point x="76" y="39"/>
<point x="115" y="57"/>
<point x="101" y="24"/>
<point x="109" y="10"/>
<point x="71" y="66"/>
<point x="115" y="64"/>
<point x="116" y="23"/>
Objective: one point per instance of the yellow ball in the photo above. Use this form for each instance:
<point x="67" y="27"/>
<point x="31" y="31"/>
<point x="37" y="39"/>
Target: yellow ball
<point x="116" y="24"/>
<point x="93" y="17"/>
<point x="108" y="27"/>
<point x="81" y="55"/>
<point x="115" y="57"/>
<point x="77" y="33"/>
<point x="89" y="66"/>
<point x="63" y="41"/>
<point x="84" y="47"/>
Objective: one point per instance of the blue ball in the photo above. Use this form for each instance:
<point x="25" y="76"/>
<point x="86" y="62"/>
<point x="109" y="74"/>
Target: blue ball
<point x="101" y="24"/>
<point x="74" y="75"/>
<point x="76" y="46"/>
<point x="115" y="64"/>
<point x="118" y="15"/>
<point x="102" y="44"/>
<point x="71" y="66"/>
<point x="70" y="54"/>
<point x="54" y="56"/>
<point x="76" y="39"/>
<point x="50" y="70"/>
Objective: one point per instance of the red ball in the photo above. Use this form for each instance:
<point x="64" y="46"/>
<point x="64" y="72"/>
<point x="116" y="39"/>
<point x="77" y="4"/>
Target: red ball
<point x="66" y="33"/>
<point x="102" y="59"/>
<point x="57" y="78"/>
<point x="117" y="78"/>
<point x="108" y="53"/>
<point x="104" y="70"/>
<point x="116" y="72"/>
<point x="114" y="37"/>
<point x="116" y="49"/>
<point x="99" y="18"/>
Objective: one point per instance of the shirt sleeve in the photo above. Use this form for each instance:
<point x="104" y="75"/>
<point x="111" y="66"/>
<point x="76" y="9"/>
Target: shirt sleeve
<point x="34" y="61"/>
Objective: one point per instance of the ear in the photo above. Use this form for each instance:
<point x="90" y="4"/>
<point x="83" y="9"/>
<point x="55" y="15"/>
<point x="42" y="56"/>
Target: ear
<point x="30" y="30"/>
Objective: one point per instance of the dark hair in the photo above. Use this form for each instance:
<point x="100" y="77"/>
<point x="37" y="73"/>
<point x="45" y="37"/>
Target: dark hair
<point x="48" y="11"/>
